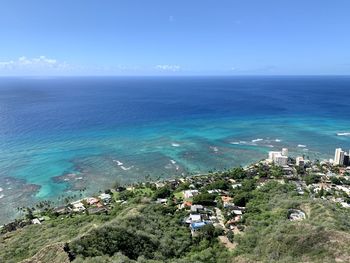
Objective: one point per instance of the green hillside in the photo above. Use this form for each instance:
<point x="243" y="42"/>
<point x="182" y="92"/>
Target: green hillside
<point x="141" y="230"/>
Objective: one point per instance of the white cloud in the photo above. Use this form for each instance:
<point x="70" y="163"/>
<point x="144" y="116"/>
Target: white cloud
<point x="45" y="66"/>
<point x="36" y="65"/>
<point x="172" y="68"/>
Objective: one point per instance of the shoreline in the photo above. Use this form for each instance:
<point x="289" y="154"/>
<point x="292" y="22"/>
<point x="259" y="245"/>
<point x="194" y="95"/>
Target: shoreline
<point x="82" y="191"/>
<point x="144" y="181"/>
<point x="219" y="200"/>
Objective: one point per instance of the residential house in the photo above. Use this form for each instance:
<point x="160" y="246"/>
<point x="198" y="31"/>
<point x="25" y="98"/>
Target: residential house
<point x="92" y="200"/>
<point x="190" y="193"/>
<point x="105" y="198"/>
<point x="185" y="205"/>
<point x="196" y="208"/>
<point x="78" y="206"/>
<point x="36" y="221"/>
<point x="194" y="218"/>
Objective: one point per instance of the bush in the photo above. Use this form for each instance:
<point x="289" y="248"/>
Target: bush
<point x="112" y="239"/>
<point x="221" y="184"/>
<point x="162" y="192"/>
<point x="336" y="181"/>
<point x="242" y="198"/>
<point x="312" y="179"/>
<point x="204" y="199"/>
<point x="207" y="232"/>
<point x="230" y="235"/>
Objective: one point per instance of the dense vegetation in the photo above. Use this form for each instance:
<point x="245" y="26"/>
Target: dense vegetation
<point x="151" y="232"/>
<point x="141" y="230"/>
<point x="270" y="237"/>
<point x="24" y="243"/>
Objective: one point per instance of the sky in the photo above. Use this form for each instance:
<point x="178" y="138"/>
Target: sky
<point x="174" y="37"/>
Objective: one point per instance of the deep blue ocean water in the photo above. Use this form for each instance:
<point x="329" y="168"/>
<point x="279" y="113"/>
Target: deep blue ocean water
<point x="61" y="135"/>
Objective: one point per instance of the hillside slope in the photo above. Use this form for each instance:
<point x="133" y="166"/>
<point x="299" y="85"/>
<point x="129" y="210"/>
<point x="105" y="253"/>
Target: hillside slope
<point x="142" y="231"/>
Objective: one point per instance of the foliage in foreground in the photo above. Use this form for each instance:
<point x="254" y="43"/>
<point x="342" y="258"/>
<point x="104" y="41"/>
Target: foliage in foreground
<point x="270" y="237"/>
<point x="153" y="233"/>
<point x="142" y="231"/>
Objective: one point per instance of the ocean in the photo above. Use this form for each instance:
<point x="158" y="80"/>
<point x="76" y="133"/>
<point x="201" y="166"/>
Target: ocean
<point x="79" y="135"/>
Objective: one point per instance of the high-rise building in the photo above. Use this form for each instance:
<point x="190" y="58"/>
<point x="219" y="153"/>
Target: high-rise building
<point x="346" y="159"/>
<point x="278" y="158"/>
<point x="272" y="155"/>
<point x="300" y="161"/>
<point x="339" y="157"/>
<point x="281" y="160"/>
<point x="285" y="152"/>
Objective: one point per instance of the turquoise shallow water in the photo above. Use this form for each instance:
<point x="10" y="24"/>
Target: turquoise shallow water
<point x="59" y="136"/>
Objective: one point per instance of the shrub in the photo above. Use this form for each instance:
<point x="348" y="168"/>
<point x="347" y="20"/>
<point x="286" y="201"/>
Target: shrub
<point x="204" y="199"/>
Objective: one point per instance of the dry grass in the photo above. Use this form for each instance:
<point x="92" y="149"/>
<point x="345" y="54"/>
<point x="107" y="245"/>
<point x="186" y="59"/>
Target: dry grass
<point x="52" y="253"/>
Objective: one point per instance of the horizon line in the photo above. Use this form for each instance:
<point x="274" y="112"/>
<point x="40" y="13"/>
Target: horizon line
<point x="177" y="75"/>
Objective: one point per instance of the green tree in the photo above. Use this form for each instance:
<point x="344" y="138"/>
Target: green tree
<point x="242" y="198"/>
<point x="312" y="179"/>
<point x="204" y="199"/>
<point x="237" y="173"/>
<point x="336" y="180"/>
<point x="162" y="192"/>
<point x="230" y="235"/>
<point x="220" y="184"/>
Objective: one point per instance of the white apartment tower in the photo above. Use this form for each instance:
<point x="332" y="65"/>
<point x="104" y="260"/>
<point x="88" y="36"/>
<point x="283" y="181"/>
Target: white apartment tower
<point x="272" y="155"/>
<point x="299" y="161"/>
<point x="285" y="152"/>
<point x="279" y="158"/>
<point x="339" y="156"/>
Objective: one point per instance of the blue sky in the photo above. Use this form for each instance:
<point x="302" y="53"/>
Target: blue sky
<point x="182" y="37"/>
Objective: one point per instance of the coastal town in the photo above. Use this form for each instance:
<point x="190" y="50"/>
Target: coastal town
<point x="216" y="199"/>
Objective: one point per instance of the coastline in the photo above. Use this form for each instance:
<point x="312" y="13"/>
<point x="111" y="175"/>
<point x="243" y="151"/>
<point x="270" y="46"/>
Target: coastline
<point x="142" y="181"/>
<point x="214" y="131"/>
<point x="223" y="207"/>
<point x="76" y="183"/>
